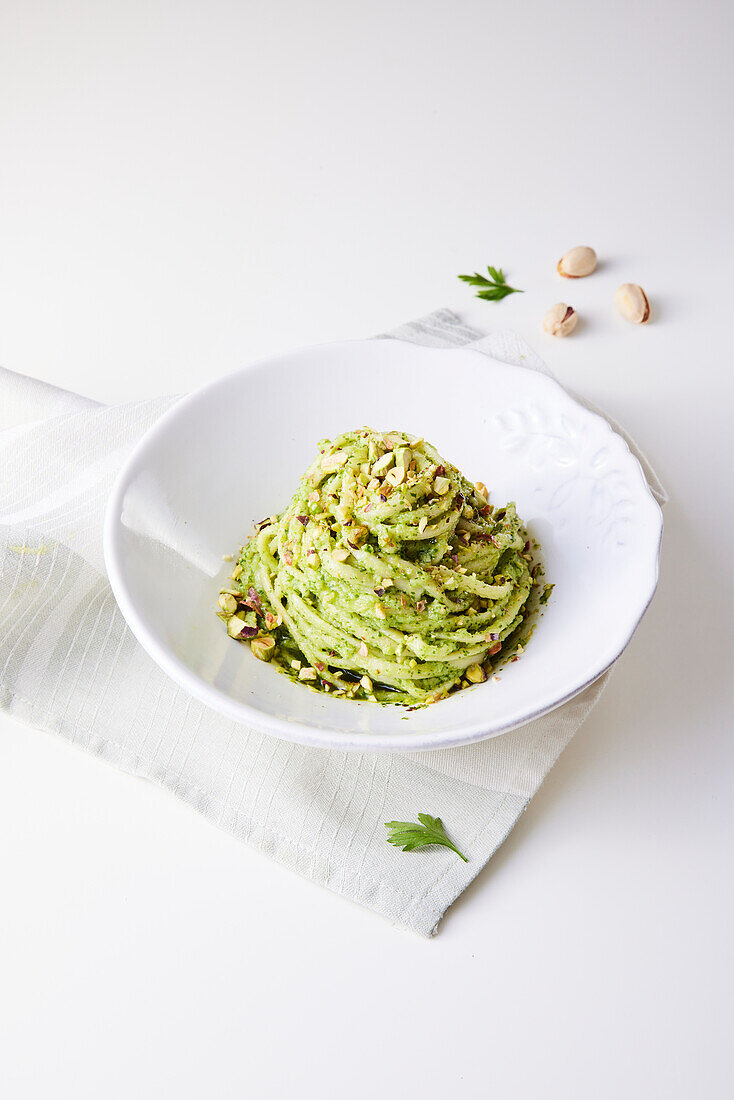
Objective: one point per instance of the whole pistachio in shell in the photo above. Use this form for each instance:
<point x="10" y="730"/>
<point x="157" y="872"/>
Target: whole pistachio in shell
<point x="577" y="262"/>
<point x="560" y="320"/>
<point x="633" y="303"/>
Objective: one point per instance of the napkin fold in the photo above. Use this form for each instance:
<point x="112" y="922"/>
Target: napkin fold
<point x="69" y="665"/>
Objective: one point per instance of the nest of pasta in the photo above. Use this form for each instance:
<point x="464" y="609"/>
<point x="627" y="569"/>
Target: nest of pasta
<point x="389" y="576"/>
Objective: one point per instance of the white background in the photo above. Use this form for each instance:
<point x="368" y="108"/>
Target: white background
<point x="187" y="186"/>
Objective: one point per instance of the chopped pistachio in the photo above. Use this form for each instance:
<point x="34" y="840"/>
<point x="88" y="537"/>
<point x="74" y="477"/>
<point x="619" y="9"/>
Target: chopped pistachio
<point x="441" y="485"/>
<point x="380" y="612"/>
<point x="358" y="536"/>
<point x="340" y="554"/>
<point x="382" y="465"/>
<point x="363" y="650"/>
<point x="342" y="512"/>
<point x="263" y="648"/>
<point x="467" y="511"/>
<point x="396" y="476"/>
<point x="227" y="602"/>
<point x="235" y="626"/>
<point x="422" y="524"/>
<point x="482" y="491"/>
<point x="296" y="665"/>
<point x="475" y="674"/>
<point x="333" y="461"/>
<point x="403" y="457"/>
<point x="366" y="683"/>
<point x="308" y="674"/>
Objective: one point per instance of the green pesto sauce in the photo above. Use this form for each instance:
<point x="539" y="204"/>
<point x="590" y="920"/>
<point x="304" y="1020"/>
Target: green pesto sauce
<point x="388" y="577"/>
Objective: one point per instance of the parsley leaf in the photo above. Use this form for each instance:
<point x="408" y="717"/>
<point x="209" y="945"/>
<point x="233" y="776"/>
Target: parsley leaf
<point x="493" y="289"/>
<point x="408" y="836"/>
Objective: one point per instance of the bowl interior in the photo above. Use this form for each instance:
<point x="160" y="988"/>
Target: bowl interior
<point x="229" y="455"/>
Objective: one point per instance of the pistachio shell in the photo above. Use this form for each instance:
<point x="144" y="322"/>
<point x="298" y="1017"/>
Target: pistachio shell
<point x="632" y="303"/>
<point x="577" y="262"/>
<point x="560" y="320"/>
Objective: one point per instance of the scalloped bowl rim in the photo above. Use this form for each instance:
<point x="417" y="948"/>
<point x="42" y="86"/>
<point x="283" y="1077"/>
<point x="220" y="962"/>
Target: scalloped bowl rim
<point x="306" y="733"/>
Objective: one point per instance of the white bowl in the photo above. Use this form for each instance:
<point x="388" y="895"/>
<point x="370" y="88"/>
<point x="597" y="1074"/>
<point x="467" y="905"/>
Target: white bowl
<point x="233" y="452"/>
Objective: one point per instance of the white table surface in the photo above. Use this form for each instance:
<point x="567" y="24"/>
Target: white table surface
<point x="186" y="187"/>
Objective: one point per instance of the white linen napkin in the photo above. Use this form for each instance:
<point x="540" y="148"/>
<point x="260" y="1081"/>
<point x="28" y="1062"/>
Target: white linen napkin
<point x="69" y="665"/>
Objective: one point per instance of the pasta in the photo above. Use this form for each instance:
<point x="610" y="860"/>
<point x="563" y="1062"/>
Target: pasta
<point x="388" y="576"/>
